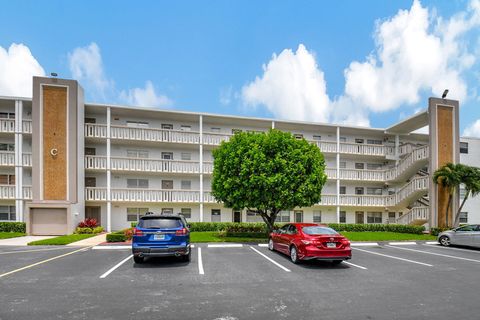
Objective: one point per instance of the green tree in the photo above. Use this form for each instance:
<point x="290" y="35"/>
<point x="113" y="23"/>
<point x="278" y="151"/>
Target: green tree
<point x="470" y="178"/>
<point x="267" y="173"/>
<point x="449" y="176"/>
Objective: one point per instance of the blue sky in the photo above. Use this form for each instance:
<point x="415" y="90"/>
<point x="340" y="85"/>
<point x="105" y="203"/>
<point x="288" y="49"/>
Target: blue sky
<point x="206" y="55"/>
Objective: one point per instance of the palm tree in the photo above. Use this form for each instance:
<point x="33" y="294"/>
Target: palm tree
<point x="470" y="178"/>
<point x="448" y="177"/>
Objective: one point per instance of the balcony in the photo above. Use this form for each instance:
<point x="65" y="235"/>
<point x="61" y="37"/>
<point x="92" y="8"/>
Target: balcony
<point x="7" y="192"/>
<point x="27" y="192"/>
<point x="416" y="216"/>
<point x="143" y="195"/>
<point x="142" y="165"/>
<point x="214" y="139"/>
<point x="353" y="200"/>
<point x="156" y="135"/>
<point x="356" y="174"/>
<point x="7" y="159"/>
<point x="27" y="126"/>
<point x="93" y="130"/>
<point x="354" y="148"/>
<point x="7" y="125"/>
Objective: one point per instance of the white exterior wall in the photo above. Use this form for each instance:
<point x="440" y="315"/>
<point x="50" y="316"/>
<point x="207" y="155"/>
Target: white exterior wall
<point x="472" y="158"/>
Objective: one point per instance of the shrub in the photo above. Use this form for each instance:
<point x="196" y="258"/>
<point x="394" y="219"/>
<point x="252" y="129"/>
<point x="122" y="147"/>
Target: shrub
<point x="436" y="231"/>
<point x="133" y="224"/>
<point x="233" y="226"/>
<point x="128" y="233"/>
<point x="98" y="229"/>
<point x="80" y="230"/>
<point x="256" y="235"/>
<point x="13" y="227"/>
<point x="115" y="237"/>
<point x="88" y="223"/>
<point x="400" y="228"/>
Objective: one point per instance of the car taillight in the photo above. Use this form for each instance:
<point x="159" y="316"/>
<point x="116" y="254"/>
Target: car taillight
<point x="345" y="242"/>
<point x="137" y="232"/>
<point x="181" y="232"/>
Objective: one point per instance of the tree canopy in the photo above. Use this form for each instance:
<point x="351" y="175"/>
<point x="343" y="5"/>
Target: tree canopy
<point x="267" y="173"/>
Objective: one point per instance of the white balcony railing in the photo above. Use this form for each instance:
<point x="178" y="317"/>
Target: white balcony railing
<point x="27" y="159"/>
<point x="208" y="197"/>
<point x="208" y="167"/>
<point x="7" y="158"/>
<point x="27" y="126"/>
<point x="7" y="125"/>
<point x="151" y="134"/>
<point x="27" y="192"/>
<point x="7" y="192"/>
<point x="96" y="162"/>
<point x="143" y="195"/>
<point x="419" y="154"/>
<point x="353" y="200"/>
<point x="415" y="214"/>
<point x="211" y="138"/>
<point x="93" y="130"/>
<point x="417" y="184"/>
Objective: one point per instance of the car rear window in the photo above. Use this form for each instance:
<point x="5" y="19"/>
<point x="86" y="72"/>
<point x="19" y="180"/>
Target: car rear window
<point x="318" y="230"/>
<point x="159" y="223"/>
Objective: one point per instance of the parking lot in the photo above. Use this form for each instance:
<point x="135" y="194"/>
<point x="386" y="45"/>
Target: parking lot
<point x="406" y="281"/>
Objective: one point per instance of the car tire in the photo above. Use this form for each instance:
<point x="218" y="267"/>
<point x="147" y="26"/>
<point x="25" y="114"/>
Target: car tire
<point x="270" y="244"/>
<point x="138" y="259"/>
<point x="294" y="255"/>
<point x="336" y="262"/>
<point x="444" y="241"/>
<point x="187" y="257"/>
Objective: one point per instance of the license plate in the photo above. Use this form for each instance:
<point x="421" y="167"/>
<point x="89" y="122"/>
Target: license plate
<point x="331" y="245"/>
<point x="158" y="237"/>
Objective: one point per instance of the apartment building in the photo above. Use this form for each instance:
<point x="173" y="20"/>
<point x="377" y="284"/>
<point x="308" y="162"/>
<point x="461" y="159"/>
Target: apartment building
<point x="62" y="160"/>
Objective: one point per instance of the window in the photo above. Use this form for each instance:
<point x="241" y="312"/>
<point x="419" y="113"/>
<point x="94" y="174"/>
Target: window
<point x="7" y="115"/>
<point x="360" y="165"/>
<point x="137" y="183"/>
<point x="374" y="191"/>
<point x="137" y="153"/>
<point x="167" y="126"/>
<point x="374" y="166"/>
<point x="463" y="147"/>
<point x="7" y="179"/>
<point x="359" y="190"/>
<point x="343" y="139"/>
<point x="90" y="151"/>
<point x="215" y="129"/>
<point x="90" y="182"/>
<point x="167" y="155"/>
<point x="462" y="192"/>
<point x="343" y="217"/>
<point x="236" y="131"/>
<point x="374" y="217"/>
<point x="7" y="147"/>
<point x="343" y="164"/>
<point x="463" y="217"/>
<point x="343" y="190"/>
<point x="283" y="216"/>
<point x="186" y="212"/>
<point x="317" y="216"/>
<point x="90" y="120"/>
<point x="137" y="124"/>
<point x="391" y="217"/>
<point x="134" y="214"/>
<point x="184" y="127"/>
<point x="167" y="184"/>
<point x="216" y="215"/>
<point x="253" y="216"/>
<point x="186" y="185"/>
<point x="186" y="156"/>
<point x="298" y="214"/>
<point x="167" y="210"/>
<point x="317" y="137"/>
<point x="374" y="141"/>
<point x="298" y="136"/>
<point x="7" y="213"/>
<point x="358" y="140"/>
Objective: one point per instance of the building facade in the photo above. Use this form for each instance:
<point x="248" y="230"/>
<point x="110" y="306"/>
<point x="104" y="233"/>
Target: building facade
<point x="62" y="160"/>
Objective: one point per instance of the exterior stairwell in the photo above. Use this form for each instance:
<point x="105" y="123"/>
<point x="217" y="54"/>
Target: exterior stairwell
<point x="416" y="216"/>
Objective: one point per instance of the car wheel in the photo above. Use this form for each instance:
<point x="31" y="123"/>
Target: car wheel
<point x="444" y="241"/>
<point x="187" y="257"/>
<point x="138" y="259"/>
<point x="336" y="262"/>
<point x="270" y="244"/>
<point x="294" y="254"/>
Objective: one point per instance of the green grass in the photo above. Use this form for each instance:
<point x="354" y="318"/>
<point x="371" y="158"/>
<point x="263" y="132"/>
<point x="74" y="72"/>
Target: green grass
<point x="7" y="235"/>
<point x="385" y="236"/>
<point x="61" y="240"/>
<point x="213" y="236"/>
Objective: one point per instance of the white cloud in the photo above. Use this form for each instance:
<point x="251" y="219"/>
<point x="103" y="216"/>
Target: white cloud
<point x="291" y="87"/>
<point x="86" y="66"/>
<point x="145" y="97"/>
<point x="473" y="130"/>
<point x="17" y="67"/>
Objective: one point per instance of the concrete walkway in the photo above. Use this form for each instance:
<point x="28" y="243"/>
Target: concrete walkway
<point x="22" y="241"/>
<point x="93" y="241"/>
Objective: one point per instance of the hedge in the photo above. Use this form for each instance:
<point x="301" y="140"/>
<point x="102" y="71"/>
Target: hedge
<point x="256" y="235"/>
<point x="400" y="228"/>
<point x="116" y="237"/>
<point x="230" y="226"/>
<point x="13" y="227"/>
<point x="436" y="231"/>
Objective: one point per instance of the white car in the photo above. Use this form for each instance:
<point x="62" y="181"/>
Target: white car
<point x="468" y="235"/>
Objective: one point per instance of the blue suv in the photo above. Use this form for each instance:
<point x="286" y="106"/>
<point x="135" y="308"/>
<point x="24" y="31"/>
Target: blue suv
<point x="161" y="236"/>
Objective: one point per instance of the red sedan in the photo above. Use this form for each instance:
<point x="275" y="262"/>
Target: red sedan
<point x="306" y="241"/>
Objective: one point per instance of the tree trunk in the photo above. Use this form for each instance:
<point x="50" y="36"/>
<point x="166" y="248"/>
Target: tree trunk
<point x="269" y="219"/>
<point x="450" y="197"/>
<point x="457" y="216"/>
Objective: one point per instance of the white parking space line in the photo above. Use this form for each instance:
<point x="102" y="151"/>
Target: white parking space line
<point x="271" y="260"/>
<point x="34" y="250"/>
<point x="112" y="248"/>
<point x="364" y="244"/>
<point x="115" y="267"/>
<point x="354" y="265"/>
<point x="437" y="254"/>
<point x="228" y="245"/>
<point x="450" y="248"/>
<point x="394" y="257"/>
<point x="402" y="243"/>
<point x="200" y="262"/>
<point x="433" y="242"/>
<point x="263" y="245"/>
